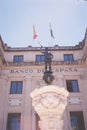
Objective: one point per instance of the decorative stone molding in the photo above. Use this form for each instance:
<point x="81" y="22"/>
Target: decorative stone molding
<point x="74" y="100"/>
<point x="84" y="54"/>
<point x="2" y="57"/>
<point x="15" y="102"/>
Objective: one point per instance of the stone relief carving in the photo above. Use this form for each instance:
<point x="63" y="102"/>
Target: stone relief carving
<point x="50" y="101"/>
<point x="48" y="97"/>
<point x="74" y="100"/>
<point x="15" y="102"/>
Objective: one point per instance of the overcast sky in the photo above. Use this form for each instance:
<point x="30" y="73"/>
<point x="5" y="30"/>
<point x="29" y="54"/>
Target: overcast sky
<point x="68" y="20"/>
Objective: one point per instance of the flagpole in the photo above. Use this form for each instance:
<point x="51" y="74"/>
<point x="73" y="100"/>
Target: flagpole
<point x="51" y="40"/>
<point x="33" y="42"/>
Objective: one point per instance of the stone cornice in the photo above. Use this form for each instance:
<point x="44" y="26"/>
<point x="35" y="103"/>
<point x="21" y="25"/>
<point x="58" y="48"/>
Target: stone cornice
<point x="79" y="46"/>
<point x="30" y="48"/>
<point x="2" y="57"/>
<point x="55" y="48"/>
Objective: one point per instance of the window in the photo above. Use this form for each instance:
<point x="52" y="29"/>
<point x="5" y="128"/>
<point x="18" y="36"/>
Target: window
<point x="40" y="58"/>
<point x="18" y="58"/>
<point x="13" y="121"/>
<point x="72" y="85"/>
<point x="77" y="121"/>
<point x="68" y="57"/>
<point x="16" y="87"/>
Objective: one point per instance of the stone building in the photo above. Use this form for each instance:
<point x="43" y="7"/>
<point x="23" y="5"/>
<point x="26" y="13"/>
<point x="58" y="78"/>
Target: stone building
<point x="21" y="71"/>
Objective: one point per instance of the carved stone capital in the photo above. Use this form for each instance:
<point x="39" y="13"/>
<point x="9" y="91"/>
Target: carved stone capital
<point x="49" y="98"/>
<point x="50" y="102"/>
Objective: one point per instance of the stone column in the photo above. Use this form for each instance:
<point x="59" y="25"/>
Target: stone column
<point x="50" y="102"/>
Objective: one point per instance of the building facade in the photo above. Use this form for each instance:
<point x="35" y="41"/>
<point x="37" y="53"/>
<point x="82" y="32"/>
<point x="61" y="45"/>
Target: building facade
<point x="21" y="71"/>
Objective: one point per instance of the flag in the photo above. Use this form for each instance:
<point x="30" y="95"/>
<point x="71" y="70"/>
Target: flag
<point x="51" y="32"/>
<point x="34" y="33"/>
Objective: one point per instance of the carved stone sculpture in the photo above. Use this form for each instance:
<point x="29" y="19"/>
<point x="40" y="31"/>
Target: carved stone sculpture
<point x="49" y="103"/>
<point x="48" y="77"/>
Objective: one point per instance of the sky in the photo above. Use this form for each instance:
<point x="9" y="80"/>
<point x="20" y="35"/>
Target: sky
<point x="68" y="19"/>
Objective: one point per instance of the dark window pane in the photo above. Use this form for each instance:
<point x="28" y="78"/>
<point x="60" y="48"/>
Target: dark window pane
<point x="72" y="85"/>
<point x="40" y="58"/>
<point x="18" y="58"/>
<point x="68" y="57"/>
<point x="15" y="59"/>
<point x="69" y="85"/>
<point x="19" y="87"/>
<point x="13" y="88"/>
<point x="65" y="58"/>
<point x="73" y="120"/>
<point x="13" y="121"/>
<point x="77" y="120"/>
<point x="71" y="57"/>
<point x="75" y="86"/>
<point x="37" y="58"/>
<point x="16" y="87"/>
